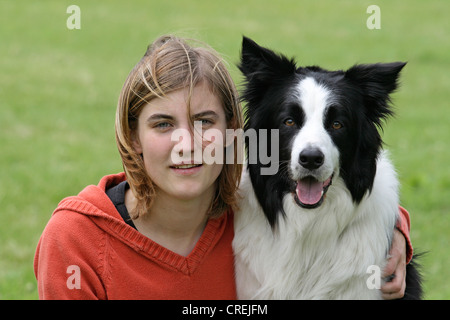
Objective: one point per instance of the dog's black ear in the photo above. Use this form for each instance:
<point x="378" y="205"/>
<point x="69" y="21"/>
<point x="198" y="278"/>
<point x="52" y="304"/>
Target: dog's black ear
<point x="262" y="64"/>
<point x="377" y="82"/>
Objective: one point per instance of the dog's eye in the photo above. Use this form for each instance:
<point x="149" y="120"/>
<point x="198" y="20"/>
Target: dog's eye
<point x="289" y="122"/>
<point x="336" y="125"/>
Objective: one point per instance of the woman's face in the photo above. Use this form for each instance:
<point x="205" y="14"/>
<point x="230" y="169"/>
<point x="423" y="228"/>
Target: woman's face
<point x="166" y="140"/>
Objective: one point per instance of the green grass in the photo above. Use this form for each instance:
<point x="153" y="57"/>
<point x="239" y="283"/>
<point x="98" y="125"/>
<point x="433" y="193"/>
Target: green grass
<point x="59" y="88"/>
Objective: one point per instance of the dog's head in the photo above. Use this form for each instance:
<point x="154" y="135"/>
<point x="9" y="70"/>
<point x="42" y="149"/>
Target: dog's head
<point x="327" y="123"/>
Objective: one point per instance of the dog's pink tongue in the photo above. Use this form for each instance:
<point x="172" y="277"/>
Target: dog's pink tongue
<point x="309" y="190"/>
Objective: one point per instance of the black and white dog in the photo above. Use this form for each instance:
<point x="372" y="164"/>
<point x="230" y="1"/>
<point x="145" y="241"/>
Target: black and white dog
<point x="317" y="227"/>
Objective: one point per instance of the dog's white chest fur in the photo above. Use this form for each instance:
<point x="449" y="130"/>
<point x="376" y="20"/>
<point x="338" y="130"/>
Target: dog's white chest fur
<point x="321" y="253"/>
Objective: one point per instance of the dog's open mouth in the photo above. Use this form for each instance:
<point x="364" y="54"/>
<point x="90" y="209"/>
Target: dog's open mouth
<point x="310" y="192"/>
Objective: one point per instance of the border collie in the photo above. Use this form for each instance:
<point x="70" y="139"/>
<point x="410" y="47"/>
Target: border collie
<point x="316" y="228"/>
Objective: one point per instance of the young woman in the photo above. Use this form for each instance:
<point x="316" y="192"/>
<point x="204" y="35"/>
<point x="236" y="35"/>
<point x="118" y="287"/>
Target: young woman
<point x="163" y="228"/>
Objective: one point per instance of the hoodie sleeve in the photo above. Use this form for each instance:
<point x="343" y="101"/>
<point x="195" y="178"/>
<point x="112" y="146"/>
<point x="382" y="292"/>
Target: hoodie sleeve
<point x="404" y="225"/>
<point x="68" y="261"/>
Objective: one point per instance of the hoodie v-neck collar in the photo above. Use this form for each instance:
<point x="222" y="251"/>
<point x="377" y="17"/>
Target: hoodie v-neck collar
<point x="94" y="202"/>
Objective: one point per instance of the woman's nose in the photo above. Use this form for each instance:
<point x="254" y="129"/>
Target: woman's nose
<point x="188" y="145"/>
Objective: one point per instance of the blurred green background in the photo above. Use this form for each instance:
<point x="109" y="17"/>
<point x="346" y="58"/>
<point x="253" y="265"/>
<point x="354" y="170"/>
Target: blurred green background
<point x="59" y="89"/>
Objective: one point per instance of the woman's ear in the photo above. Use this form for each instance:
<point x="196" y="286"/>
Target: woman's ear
<point x="136" y="143"/>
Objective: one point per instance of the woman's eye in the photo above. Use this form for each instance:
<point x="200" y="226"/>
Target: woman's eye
<point x="289" y="122"/>
<point x="162" y="125"/>
<point x="206" y="122"/>
<point x="336" y="125"/>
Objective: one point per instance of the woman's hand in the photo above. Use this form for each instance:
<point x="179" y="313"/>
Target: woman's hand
<point x="395" y="269"/>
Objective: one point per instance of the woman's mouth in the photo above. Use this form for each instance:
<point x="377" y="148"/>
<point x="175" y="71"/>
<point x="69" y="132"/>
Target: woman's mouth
<point x="186" y="169"/>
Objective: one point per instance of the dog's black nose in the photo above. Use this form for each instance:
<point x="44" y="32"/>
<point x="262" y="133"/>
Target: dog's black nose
<point x="311" y="158"/>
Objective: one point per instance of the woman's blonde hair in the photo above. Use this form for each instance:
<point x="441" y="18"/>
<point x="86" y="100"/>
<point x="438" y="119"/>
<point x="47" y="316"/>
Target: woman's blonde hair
<point x="170" y="64"/>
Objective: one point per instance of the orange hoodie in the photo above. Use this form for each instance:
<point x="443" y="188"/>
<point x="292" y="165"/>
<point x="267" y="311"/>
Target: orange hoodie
<point x="87" y="251"/>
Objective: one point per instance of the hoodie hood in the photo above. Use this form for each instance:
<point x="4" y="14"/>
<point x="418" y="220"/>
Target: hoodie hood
<point x="93" y="202"/>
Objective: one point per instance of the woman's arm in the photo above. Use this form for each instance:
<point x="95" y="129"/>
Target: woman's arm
<point x="400" y="255"/>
